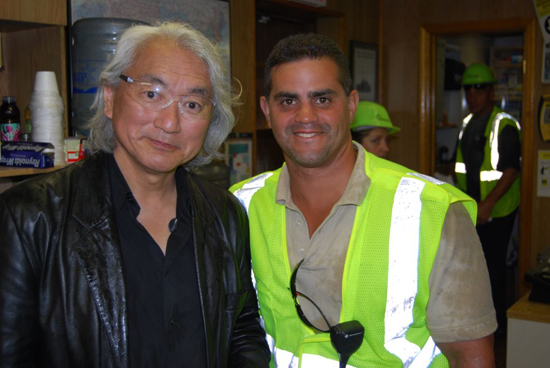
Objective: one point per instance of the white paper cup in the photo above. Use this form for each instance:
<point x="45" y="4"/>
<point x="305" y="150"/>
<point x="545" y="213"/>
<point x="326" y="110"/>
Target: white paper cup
<point x="55" y="139"/>
<point x="45" y="81"/>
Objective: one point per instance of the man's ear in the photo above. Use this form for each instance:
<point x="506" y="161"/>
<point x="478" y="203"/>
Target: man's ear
<point x="353" y="101"/>
<point x="264" y="104"/>
<point x="108" y="96"/>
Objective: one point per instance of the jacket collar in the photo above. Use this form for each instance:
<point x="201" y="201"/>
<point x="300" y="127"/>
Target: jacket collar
<point x="209" y="262"/>
<point x="97" y="247"/>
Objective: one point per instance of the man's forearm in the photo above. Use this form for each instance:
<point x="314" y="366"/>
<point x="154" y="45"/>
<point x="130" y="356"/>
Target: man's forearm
<point x="504" y="183"/>
<point x="470" y="354"/>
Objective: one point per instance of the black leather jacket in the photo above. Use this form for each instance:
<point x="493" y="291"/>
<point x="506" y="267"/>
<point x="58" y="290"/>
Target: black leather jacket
<point x="62" y="292"/>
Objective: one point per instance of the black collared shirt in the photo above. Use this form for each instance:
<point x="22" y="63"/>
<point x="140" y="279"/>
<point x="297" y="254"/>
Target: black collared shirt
<point x="165" y="321"/>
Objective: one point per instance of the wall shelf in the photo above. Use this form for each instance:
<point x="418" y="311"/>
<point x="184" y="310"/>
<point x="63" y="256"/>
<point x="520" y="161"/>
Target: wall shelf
<point x="507" y="63"/>
<point x="33" y="38"/>
<point x="8" y="171"/>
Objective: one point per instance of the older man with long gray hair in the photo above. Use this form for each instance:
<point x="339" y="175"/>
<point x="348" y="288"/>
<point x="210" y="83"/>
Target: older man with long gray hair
<point x="126" y="259"/>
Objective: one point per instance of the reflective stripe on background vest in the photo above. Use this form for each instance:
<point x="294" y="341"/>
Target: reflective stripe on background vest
<point x="489" y="175"/>
<point x="493" y="174"/>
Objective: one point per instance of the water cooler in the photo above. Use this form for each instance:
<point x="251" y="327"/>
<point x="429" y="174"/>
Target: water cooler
<point x="94" y="44"/>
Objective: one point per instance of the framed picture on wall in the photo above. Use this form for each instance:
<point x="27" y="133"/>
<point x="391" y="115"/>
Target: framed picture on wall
<point x="364" y="69"/>
<point x="238" y="156"/>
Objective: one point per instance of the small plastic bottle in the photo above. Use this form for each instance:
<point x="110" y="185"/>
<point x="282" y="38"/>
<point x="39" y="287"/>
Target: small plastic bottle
<point x="28" y="126"/>
<point x="10" y="123"/>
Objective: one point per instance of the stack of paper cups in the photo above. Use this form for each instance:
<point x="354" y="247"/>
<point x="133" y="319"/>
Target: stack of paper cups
<point x="47" y="114"/>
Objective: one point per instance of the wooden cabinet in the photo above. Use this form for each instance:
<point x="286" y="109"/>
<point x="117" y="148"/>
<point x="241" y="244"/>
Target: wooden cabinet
<point x="33" y="38"/>
<point x="52" y="12"/>
<point x="256" y="26"/>
<point x="528" y="334"/>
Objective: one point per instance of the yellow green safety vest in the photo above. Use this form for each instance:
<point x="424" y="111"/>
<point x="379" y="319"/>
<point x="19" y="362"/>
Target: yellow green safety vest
<point x="489" y="175"/>
<point x="385" y="286"/>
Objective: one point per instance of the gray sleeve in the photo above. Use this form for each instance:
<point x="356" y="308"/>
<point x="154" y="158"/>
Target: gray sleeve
<point x="460" y="306"/>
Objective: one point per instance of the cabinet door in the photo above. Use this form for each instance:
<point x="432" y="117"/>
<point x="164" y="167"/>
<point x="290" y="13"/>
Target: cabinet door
<point x="27" y="51"/>
<point x="35" y="11"/>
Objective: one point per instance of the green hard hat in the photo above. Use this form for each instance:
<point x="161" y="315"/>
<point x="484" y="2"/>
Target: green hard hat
<point x="478" y="73"/>
<point x="372" y="115"/>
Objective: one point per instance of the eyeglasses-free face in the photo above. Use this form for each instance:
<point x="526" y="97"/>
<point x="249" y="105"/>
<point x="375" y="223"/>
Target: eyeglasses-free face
<point x="156" y="97"/>
<point x="309" y="113"/>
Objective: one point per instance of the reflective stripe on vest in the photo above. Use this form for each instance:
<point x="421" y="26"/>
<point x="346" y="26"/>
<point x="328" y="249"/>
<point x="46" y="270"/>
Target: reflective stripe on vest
<point x="494" y="174"/>
<point x="403" y="275"/>
<point x="464" y="123"/>
<point x="431" y="179"/>
<point x="460" y="168"/>
<point x="246" y="193"/>
<point x="281" y="358"/>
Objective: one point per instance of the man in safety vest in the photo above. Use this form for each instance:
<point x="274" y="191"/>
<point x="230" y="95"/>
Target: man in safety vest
<point x="487" y="168"/>
<point x="385" y="259"/>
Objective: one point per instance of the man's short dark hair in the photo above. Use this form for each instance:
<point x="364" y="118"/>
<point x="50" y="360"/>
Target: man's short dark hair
<point x="310" y="46"/>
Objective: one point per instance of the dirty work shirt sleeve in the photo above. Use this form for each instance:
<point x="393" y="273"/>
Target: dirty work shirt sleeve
<point x="460" y="306"/>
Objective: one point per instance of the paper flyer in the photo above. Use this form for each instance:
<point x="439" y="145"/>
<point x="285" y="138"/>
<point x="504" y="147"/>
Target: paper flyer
<point x="543" y="177"/>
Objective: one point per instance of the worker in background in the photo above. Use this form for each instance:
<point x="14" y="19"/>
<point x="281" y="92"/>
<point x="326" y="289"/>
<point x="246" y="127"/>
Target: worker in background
<point x="372" y="127"/>
<point x="368" y="241"/>
<point x="487" y="168"/>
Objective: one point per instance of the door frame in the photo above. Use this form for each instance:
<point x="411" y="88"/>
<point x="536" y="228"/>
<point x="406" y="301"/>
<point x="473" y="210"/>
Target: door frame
<point x="427" y="106"/>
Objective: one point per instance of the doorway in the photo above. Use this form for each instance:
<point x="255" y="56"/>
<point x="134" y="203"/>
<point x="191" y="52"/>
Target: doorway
<point x="429" y="35"/>
<point x="503" y="52"/>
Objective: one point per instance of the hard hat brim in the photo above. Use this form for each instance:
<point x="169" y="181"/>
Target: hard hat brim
<point x="391" y="130"/>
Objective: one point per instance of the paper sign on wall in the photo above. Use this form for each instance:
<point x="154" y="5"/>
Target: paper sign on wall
<point x="542" y="8"/>
<point x="543" y="177"/>
<point x="543" y="13"/>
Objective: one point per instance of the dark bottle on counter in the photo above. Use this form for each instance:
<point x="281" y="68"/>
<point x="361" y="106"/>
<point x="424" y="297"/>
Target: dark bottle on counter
<point x="10" y="123"/>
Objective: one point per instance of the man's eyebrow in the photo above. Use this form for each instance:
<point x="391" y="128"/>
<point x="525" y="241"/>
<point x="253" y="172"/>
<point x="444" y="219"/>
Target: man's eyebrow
<point x="323" y="92"/>
<point x="312" y="94"/>
<point x="151" y="79"/>
<point x="284" y="94"/>
<point x="201" y="91"/>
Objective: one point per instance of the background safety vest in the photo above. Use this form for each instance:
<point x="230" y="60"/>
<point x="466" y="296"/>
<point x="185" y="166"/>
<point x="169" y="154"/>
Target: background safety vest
<point x="489" y="175"/>
<point x="385" y="286"/>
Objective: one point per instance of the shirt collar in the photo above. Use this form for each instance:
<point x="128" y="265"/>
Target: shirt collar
<point x="354" y="194"/>
<point x="120" y="189"/>
<point x="122" y="192"/>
